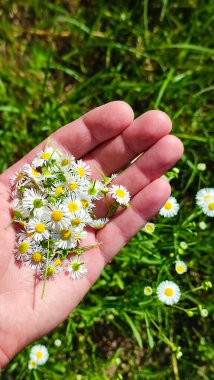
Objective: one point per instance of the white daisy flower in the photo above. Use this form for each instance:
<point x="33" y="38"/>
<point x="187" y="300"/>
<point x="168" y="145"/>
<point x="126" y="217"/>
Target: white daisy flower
<point x="86" y="201"/>
<point x="56" y="217"/>
<point x="65" y="239"/>
<point x="168" y="292"/>
<point x="43" y="156"/>
<point x="36" y="258"/>
<point x="67" y="162"/>
<point x="82" y="169"/>
<point x="72" y="204"/>
<point x="208" y="208"/>
<point x="94" y="189"/>
<point x="18" y="178"/>
<point x="32" y="364"/>
<point x="149" y="228"/>
<point x="180" y="267"/>
<point x="97" y="224"/>
<point x="204" y="195"/>
<point x="148" y="291"/>
<point x="52" y="270"/>
<point x="38" y="228"/>
<point x="32" y="173"/>
<point x="79" y="219"/>
<point x="39" y="354"/>
<point x="23" y="247"/>
<point x="75" y="184"/>
<point x="170" y="208"/>
<point x="76" y="267"/>
<point x="120" y="194"/>
<point x="33" y="199"/>
<point x="58" y="189"/>
<point x="19" y="211"/>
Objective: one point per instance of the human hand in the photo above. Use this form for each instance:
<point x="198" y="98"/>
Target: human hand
<point x="108" y="138"/>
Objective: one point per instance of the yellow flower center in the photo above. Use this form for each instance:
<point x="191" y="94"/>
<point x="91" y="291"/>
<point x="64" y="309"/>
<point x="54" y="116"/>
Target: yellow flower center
<point x="180" y="268"/>
<point x="169" y="292"/>
<point x="39" y="354"/>
<point x="65" y="234"/>
<point x="58" y="262"/>
<point x="65" y="162"/>
<point x="22" y="223"/>
<point x="76" y="222"/>
<point x="35" y="172"/>
<point x="81" y="172"/>
<point x="168" y="205"/>
<point x="84" y="203"/>
<point x="211" y="206"/>
<point x="149" y="228"/>
<point x="57" y="215"/>
<point x="50" y="271"/>
<point x="99" y="227"/>
<point x="73" y="186"/>
<point x="206" y="197"/>
<point x="120" y="193"/>
<point x="23" y="247"/>
<point x="40" y="227"/>
<point x="59" y="191"/>
<point x="73" y="207"/>
<point x="29" y="234"/>
<point x="45" y="155"/>
<point x="19" y="176"/>
<point x="36" y="257"/>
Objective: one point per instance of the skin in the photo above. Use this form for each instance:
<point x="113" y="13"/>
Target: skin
<point x="108" y="137"/>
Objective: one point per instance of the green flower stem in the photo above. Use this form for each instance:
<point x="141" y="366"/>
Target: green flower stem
<point x="46" y="269"/>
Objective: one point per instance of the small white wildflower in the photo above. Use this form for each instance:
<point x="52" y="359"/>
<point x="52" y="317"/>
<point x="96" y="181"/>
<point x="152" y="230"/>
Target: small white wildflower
<point x="33" y="200"/>
<point x="38" y="228"/>
<point x="43" y="156"/>
<point x="82" y="169"/>
<point x="39" y="354"/>
<point x="180" y="267"/>
<point x="149" y="228"/>
<point x="65" y="239"/>
<point x="204" y="195"/>
<point x="168" y="292"/>
<point x="208" y="208"/>
<point x="32" y="364"/>
<point x="170" y="208"/>
<point x="98" y="224"/>
<point x="56" y="217"/>
<point x="76" y="267"/>
<point x="183" y="245"/>
<point x="120" y="194"/>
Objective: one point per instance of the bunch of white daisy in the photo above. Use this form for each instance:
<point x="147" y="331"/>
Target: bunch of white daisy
<point x="205" y="200"/>
<point x="53" y="202"/>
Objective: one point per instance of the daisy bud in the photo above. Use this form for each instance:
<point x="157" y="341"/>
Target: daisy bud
<point x="204" y="313"/>
<point x="201" y="166"/>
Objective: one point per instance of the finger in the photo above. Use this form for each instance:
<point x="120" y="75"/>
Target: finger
<point x="122" y="227"/>
<point x="85" y="133"/>
<point x="150" y="166"/>
<point x="145" y="131"/>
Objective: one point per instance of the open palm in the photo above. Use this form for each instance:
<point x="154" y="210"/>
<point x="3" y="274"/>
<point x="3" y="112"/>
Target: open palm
<point x="108" y="138"/>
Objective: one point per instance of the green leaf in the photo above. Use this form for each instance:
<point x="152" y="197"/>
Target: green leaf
<point x="134" y="329"/>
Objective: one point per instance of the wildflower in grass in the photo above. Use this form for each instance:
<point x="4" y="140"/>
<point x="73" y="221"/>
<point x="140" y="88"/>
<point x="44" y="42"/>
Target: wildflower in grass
<point x="204" y="195"/>
<point x="149" y="228"/>
<point x="201" y="166"/>
<point x="204" y="313"/>
<point x="168" y="292"/>
<point x="32" y="364"/>
<point x="148" y="291"/>
<point x="57" y="342"/>
<point x="170" y="208"/>
<point x="180" y="267"/>
<point x="76" y="267"/>
<point x="120" y="194"/>
<point x="39" y="354"/>
<point x="208" y="208"/>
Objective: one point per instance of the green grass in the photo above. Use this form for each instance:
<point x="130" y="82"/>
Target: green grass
<point x="58" y="59"/>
